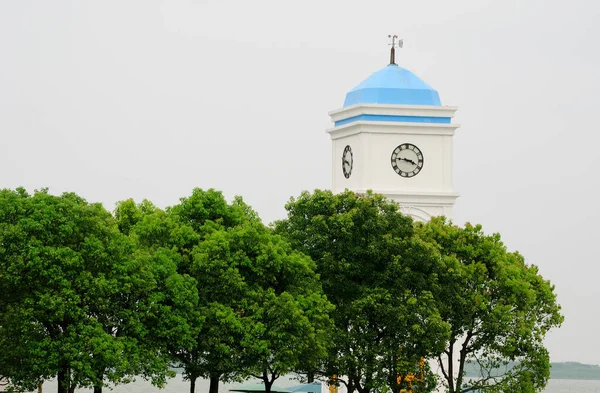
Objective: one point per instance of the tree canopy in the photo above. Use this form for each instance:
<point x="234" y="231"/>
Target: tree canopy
<point x="282" y="314"/>
<point x="261" y="309"/>
<point x="380" y="277"/>
<point x="74" y="295"/>
<point x="499" y="310"/>
<point x="344" y="286"/>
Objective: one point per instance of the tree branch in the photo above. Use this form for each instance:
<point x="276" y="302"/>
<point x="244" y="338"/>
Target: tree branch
<point x="484" y="378"/>
<point x="451" y="365"/>
<point x="441" y="363"/>
<point x="463" y="357"/>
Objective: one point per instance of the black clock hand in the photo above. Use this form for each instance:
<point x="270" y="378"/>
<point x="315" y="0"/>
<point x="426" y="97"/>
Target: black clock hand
<point x="407" y="160"/>
<point x="345" y="162"/>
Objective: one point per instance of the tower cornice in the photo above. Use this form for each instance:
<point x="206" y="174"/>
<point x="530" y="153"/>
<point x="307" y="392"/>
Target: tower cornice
<point x="382" y="127"/>
<point x="393" y="113"/>
<point x="392" y="110"/>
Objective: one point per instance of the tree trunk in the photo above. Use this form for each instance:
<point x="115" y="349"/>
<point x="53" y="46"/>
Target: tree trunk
<point x="193" y="384"/>
<point x="310" y="377"/>
<point x="71" y="389"/>
<point x="350" y="387"/>
<point x="451" y="366"/>
<point x="99" y="377"/>
<point x="214" y="383"/>
<point x="358" y="387"/>
<point x="62" y="379"/>
<point x="268" y="385"/>
<point x="40" y="388"/>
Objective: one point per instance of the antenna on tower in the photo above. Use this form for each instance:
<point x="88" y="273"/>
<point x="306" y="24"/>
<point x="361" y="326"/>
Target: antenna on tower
<point x="399" y="44"/>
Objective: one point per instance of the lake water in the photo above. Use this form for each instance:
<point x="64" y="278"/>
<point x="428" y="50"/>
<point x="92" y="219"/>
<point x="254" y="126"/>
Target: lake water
<point x="177" y="385"/>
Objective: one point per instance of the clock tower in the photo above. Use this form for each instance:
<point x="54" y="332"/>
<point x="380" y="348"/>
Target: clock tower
<point x="394" y="137"/>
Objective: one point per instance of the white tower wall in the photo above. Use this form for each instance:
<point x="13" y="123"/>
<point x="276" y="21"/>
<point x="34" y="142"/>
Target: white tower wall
<point x="373" y="138"/>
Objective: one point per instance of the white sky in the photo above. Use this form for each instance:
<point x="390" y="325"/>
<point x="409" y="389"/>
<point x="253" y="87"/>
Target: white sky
<point x="148" y="99"/>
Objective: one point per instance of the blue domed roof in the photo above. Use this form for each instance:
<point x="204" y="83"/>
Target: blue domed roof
<point x="393" y="85"/>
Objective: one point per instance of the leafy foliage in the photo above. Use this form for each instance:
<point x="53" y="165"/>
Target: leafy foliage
<point x="379" y="276"/>
<point x="95" y="300"/>
<point x="498" y="307"/>
<point x="75" y="295"/>
<point x="260" y="308"/>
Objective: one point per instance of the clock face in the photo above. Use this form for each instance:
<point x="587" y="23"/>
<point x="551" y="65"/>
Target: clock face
<point x="347" y="162"/>
<point x="407" y="160"/>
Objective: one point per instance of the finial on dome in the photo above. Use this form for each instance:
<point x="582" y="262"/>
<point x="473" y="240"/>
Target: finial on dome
<point x="400" y="43"/>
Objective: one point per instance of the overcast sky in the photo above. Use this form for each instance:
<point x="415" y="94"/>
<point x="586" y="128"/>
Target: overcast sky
<point x="149" y="99"/>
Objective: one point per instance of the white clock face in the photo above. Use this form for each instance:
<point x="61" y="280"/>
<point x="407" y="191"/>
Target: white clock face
<point x="347" y="162"/>
<point x="407" y="160"/>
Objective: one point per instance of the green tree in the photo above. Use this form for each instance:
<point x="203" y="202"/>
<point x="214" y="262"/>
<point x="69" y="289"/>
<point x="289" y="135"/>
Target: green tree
<point x="128" y="213"/>
<point x="380" y="277"/>
<point x="174" y="325"/>
<point x="75" y="294"/>
<point x="177" y="232"/>
<point x="243" y="275"/>
<point x="265" y="301"/>
<point x="499" y="309"/>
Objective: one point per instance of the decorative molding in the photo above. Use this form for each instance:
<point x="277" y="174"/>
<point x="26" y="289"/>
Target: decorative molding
<point x="416" y="213"/>
<point x="382" y="127"/>
<point x="392" y="110"/>
<point x="393" y="118"/>
<point x="422" y="198"/>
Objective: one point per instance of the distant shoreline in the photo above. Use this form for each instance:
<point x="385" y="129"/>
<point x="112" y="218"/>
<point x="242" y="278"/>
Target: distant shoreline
<point x="558" y="370"/>
<point x="574" y="370"/>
